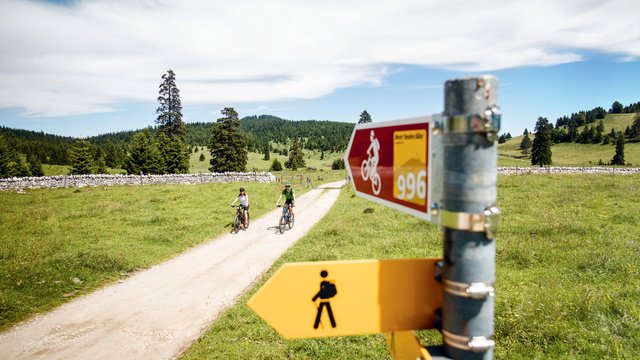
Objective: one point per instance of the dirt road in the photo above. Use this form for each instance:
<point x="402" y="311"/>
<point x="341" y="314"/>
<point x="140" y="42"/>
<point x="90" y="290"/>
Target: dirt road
<point x="159" y="312"/>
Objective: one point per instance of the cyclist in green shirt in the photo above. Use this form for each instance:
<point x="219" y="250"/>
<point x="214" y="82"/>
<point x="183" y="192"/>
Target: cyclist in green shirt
<point x="289" y="197"/>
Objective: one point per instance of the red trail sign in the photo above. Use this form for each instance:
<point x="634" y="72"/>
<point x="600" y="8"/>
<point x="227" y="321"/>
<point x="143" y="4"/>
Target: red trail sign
<point x="390" y="164"/>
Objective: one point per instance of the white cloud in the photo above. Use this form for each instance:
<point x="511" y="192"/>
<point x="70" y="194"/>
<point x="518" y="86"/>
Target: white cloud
<point x="88" y="56"/>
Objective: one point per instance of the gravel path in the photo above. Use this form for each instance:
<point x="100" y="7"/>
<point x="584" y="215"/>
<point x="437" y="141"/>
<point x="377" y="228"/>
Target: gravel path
<point x="159" y="312"/>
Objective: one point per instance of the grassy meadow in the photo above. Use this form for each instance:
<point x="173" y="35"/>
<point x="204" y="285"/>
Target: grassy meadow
<point x="255" y="161"/>
<point x="572" y="154"/>
<point x="60" y="243"/>
<point x="568" y="273"/>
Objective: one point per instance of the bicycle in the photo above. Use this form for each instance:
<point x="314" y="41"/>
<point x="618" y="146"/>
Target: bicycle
<point x="287" y="218"/>
<point x="239" y="219"/>
<point x="369" y="172"/>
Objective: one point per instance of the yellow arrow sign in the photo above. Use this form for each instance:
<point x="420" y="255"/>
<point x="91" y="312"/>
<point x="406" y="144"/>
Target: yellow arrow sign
<point x="317" y="299"/>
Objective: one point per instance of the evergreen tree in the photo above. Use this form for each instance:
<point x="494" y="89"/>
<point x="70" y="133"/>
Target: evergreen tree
<point x="170" y="109"/>
<point x="174" y="154"/>
<point x="616" y="108"/>
<point x="35" y="167"/>
<point x="276" y="165"/>
<point x="526" y="132"/>
<point x="173" y="149"/>
<point x="228" y="146"/>
<point x="364" y="118"/>
<point x="101" y="165"/>
<point x="10" y="162"/>
<point x="338" y="164"/>
<point x="81" y="159"/>
<point x="599" y="133"/>
<point x="201" y="158"/>
<point x="267" y="153"/>
<point x="322" y="155"/>
<point x="525" y="145"/>
<point x="541" y="147"/>
<point x="618" y="158"/>
<point x="143" y="155"/>
<point x="296" y="156"/>
<point x="634" y="131"/>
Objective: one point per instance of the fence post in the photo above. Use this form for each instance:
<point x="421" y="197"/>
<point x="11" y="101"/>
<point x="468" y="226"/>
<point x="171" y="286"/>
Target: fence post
<point x="469" y="216"/>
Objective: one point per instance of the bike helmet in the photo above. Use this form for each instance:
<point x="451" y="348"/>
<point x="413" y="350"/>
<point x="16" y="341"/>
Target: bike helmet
<point x="241" y="189"/>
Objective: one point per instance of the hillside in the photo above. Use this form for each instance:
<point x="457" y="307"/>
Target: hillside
<point x="573" y="154"/>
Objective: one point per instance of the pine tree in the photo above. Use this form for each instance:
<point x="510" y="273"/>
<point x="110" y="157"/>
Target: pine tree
<point x="618" y="158"/>
<point x="525" y="145"/>
<point x="101" y="165"/>
<point x="170" y="109"/>
<point x="634" y="131"/>
<point x="228" y="146"/>
<point x="296" y="156"/>
<point x="173" y="153"/>
<point x="143" y="155"/>
<point x="10" y="162"/>
<point x="541" y="147"/>
<point x="267" y="153"/>
<point x="322" y="155"/>
<point x="364" y="117"/>
<point x="276" y="165"/>
<point x="201" y="158"/>
<point x="35" y="166"/>
<point x="81" y="159"/>
<point x="616" y="108"/>
<point x="338" y="164"/>
<point x="173" y="149"/>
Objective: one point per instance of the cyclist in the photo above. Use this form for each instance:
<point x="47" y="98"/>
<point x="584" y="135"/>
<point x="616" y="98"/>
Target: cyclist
<point x="289" y="197"/>
<point x="244" y="202"/>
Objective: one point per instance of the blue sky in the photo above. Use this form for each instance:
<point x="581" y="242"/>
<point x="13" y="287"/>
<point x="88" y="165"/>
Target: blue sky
<point x="86" y="67"/>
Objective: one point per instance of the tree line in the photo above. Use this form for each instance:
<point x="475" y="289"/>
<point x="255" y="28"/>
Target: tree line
<point x="566" y="130"/>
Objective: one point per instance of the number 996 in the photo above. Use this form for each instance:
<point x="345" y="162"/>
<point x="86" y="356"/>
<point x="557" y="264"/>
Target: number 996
<point x="410" y="186"/>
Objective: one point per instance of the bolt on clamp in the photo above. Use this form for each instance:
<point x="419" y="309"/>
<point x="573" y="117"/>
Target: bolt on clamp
<point x="488" y="221"/>
<point x="474" y="343"/>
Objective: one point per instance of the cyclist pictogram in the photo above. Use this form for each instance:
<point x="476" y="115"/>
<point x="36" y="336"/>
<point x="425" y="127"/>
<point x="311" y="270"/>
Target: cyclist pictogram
<point x="369" y="167"/>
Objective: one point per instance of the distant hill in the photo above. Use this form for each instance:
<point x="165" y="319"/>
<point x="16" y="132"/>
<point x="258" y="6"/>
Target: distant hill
<point x="260" y="130"/>
<point x="329" y="136"/>
<point x="577" y="154"/>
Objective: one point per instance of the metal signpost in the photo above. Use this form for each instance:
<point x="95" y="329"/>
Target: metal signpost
<point x="440" y="168"/>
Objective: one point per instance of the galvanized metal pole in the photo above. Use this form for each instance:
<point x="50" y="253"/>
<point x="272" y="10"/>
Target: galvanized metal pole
<point x="469" y="216"/>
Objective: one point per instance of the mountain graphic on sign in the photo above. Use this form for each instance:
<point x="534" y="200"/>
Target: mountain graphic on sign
<point x="413" y="164"/>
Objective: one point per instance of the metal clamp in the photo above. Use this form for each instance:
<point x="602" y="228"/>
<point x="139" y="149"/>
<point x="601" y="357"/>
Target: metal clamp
<point x="488" y="122"/>
<point x="488" y="221"/>
<point x="476" y="344"/>
<point x="476" y="291"/>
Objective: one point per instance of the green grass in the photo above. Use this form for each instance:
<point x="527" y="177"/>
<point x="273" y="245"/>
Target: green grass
<point x="568" y="273"/>
<point x="52" y="170"/>
<point x="572" y="154"/>
<point x="50" y="239"/>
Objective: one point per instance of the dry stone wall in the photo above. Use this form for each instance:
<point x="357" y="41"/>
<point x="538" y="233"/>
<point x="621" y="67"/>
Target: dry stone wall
<point x="64" y="181"/>
<point x="566" y="170"/>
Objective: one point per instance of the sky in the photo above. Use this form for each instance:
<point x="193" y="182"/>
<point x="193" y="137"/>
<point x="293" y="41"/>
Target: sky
<point x="88" y="67"/>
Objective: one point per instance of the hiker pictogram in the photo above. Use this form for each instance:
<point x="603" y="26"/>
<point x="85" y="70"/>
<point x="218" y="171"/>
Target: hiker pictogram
<point x="326" y="292"/>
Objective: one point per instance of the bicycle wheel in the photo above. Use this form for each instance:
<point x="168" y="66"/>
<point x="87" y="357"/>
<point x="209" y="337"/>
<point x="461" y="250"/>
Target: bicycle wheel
<point x="364" y="170"/>
<point x="292" y="219"/>
<point x="282" y="224"/>
<point x="236" y="224"/>
<point x="246" y="226"/>
<point x="376" y="183"/>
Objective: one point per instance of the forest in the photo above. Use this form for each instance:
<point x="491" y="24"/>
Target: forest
<point x="262" y="132"/>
